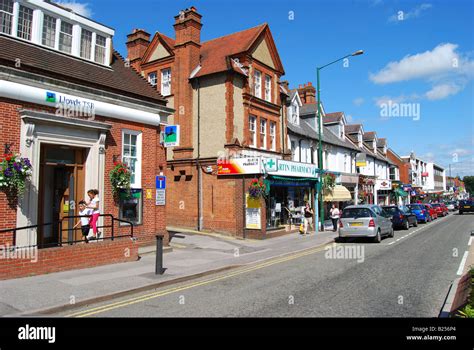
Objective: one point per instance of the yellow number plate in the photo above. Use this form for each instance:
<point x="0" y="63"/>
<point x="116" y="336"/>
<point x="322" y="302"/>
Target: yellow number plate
<point x="356" y="224"/>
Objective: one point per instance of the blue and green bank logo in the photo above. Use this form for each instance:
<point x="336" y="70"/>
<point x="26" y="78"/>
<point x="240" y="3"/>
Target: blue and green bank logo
<point x="50" y="97"/>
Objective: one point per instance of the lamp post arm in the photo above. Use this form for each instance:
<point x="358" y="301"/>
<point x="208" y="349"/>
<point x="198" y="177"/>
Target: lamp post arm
<point x="339" y="59"/>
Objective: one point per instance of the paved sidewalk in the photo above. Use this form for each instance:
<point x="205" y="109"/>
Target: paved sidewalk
<point x="192" y="254"/>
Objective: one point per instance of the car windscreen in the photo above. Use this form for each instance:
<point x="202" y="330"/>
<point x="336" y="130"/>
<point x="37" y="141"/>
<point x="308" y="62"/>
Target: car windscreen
<point x="390" y="210"/>
<point x="356" y="213"/>
<point x="415" y="207"/>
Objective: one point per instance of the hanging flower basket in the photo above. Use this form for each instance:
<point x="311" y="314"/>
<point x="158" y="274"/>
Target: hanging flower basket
<point x="15" y="171"/>
<point x="256" y="189"/>
<point x="120" y="179"/>
<point x="329" y="181"/>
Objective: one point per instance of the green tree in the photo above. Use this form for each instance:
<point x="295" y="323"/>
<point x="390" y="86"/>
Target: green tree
<point x="469" y="183"/>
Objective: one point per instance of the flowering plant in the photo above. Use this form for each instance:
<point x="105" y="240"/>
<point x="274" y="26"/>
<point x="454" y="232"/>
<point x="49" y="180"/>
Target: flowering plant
<point x="14" y="172"/>
<point x="256" y="189"/>
<point x="329" y="181"/>
<point x="120" y="178"/>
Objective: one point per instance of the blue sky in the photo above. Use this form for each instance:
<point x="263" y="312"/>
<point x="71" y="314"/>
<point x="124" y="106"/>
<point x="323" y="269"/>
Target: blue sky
<point x="422" y="57"/>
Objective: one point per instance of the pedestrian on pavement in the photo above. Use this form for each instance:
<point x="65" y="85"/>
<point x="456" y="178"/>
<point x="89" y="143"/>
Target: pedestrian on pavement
<point x="94" y="205"/>
<point x="308" y="217"/>
<point x="85" y="218"/>
<point x="334" y="214"/>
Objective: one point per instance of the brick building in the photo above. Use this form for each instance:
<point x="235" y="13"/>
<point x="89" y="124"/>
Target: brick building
<point x="228" y="100"/>
<point x="70" y="104"/>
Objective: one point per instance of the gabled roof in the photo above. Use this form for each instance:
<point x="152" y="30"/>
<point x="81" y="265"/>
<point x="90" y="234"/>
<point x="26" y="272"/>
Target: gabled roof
<point x="331" y="118"/>
<point x="166" y="41"/>
<point x="381" y="142"/>
<point x="369" y="136"/>
<point x="352" y="128"/>
<point x="40" y="60"/>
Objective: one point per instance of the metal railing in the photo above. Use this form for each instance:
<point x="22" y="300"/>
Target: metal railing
<point x="60" y="242"/>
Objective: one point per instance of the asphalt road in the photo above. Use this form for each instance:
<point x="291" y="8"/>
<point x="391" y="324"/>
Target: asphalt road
<point x="405" y="276"/>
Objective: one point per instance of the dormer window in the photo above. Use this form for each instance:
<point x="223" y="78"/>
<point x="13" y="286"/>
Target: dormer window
<point x="6" y="16"/>
<point x="65" y="37"/>
<point x="100" y="45"/>
<point x="49" y="31"/>
<point x="25" y="20"/>
<point x="86" y="44"/>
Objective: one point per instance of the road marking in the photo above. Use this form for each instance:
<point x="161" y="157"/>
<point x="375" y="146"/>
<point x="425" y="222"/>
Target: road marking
<point x="127" y="302"/>
<point x="463" y="262"/>
<point x="470" y="241"/>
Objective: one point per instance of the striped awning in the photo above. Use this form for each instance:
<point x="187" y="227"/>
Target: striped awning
<point x="338" y="194"/>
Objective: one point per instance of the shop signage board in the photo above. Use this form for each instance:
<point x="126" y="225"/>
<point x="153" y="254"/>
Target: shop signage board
<point x="236" y="166"/>
<point x="384" y="184"/>
<point x="253" y="217"/>
<point x="361" y="159"/>
<point x="171" y="136"/>
<point x="295" y="169"/>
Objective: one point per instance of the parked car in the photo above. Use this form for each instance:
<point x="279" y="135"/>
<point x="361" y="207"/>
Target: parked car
<point x="432" y="211"/>
<point x="466" y="206"/>
<point x="365" y="221"/>
<point x="451" y="206"/>
<point x="402" y="217"/>
<point x="422" y="214"/>
<point x="440" y="209"/>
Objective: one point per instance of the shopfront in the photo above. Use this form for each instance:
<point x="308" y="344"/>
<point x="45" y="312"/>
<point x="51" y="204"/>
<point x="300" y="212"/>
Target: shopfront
<point x="383" y="189"/>
<point x="366" y="189"/>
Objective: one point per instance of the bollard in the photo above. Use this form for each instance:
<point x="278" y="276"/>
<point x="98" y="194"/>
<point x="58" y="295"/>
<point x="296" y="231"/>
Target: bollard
<point x="159" y="270"/>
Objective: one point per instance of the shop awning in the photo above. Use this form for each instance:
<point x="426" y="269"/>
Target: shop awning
<point x="338" y="194"/>
<point x="400" y="192"/>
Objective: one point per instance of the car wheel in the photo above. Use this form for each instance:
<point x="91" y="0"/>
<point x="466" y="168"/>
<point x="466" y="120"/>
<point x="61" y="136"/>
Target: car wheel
<point x="406" y="225"/>
<point x="460" y="213"/>
<point x="416" y="223"/>
<point x="378" y="237"/>
<point x="341" y="239"/>
<point x="392" y="233"/>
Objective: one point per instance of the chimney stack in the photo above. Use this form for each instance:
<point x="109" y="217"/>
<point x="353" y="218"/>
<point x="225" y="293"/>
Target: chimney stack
<point x="137" y="43"/>
<point x="307" y="93"/>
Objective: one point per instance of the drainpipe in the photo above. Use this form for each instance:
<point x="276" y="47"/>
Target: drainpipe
<point x="198" y="164"/>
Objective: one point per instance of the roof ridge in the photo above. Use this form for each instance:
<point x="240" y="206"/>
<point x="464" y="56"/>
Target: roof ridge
<point x="240" y="31"/>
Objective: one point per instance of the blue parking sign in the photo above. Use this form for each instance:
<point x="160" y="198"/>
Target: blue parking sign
<point x="161" y="182"/>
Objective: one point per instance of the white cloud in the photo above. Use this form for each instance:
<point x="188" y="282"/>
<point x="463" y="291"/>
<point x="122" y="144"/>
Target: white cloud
<point x="383" y="100"/>
<point x="358" y="101"/>
<point x="441" y="60"/>
<point x="413" y="13"/>
<point x="438" y="92"/>
<point x="79" y="8"/>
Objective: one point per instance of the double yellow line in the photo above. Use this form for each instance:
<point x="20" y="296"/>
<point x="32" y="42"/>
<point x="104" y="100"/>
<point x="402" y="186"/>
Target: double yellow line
<point x="131" y="301"/>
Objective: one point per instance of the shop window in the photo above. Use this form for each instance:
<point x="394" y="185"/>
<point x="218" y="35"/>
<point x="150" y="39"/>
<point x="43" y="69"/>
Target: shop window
<point x="131" y="207"/>
<point x="253" y="131"/>
<point x="65" y="37"/>
<point x="25" y="20"/>
<point x="86" y="44"/>
<point x="49" y="31"/>
<point x="166" y="82"/>
<point x="6" y="16"/>
<point x="131" y="155"/>
<point x="100" y="45"/>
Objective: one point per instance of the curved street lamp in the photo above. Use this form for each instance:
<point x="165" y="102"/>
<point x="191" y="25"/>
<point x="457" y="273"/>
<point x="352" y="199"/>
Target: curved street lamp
<point x="320" y="153"/>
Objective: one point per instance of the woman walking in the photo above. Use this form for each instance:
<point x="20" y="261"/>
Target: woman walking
<point x="94" y="205"/>
<point x="308" y="217"/>
<point x="334" y="213"/>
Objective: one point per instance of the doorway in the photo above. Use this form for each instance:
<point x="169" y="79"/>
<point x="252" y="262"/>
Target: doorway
<point x="61" y="187"/>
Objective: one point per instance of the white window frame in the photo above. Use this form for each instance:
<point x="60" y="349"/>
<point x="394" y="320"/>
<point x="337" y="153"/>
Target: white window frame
<point x="55" y="18"/>
<point x="272" y="136"/>
<point x="166" y="82"/>
<point x="83" y="30"/>
<point x="138" y="165"/>
<point x="64" y="34"/>
<point x="97" y="47"/>
<point x="153" y="78"/>
<point x="268" y="88"/>
<point x="263" y="132"/>
<point x="11" y="15"/>
<point x="257" y="80"/>
<point x="30" y="34"/>
<point x="253" y="130"/>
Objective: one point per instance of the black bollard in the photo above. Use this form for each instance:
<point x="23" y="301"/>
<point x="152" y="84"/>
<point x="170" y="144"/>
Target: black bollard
<point x="159" y="270"/>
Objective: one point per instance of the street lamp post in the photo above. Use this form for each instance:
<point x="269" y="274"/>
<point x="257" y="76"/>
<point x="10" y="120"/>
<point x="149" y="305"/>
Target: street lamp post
<point x="320" y="151"/>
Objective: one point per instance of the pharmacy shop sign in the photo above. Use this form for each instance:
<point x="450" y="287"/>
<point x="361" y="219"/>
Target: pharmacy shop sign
<point x="295" y="169"/>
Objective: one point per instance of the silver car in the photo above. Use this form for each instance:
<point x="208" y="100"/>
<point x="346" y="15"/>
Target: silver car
<point x="365" y="221"/>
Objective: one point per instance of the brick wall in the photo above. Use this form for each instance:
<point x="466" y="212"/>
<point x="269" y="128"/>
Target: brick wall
<point x="153" y="161"/>
<point x="69" y="257"/>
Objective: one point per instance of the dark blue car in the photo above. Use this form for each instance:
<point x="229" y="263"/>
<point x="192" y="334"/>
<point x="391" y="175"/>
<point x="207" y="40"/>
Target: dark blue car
<point x="422" y="214"/>
<point x="401" y="216"/>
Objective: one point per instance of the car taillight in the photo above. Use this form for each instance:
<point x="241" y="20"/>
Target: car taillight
<point x="340" y="224"/>
<point x="371" y="223"/>
<point x="401" y="216"/>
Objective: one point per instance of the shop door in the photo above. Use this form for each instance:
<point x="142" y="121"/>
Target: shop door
<point x="61" y="188"/>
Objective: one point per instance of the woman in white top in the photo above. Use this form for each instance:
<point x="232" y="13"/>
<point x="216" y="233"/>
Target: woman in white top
<point x="94" y="205"/>
<point x="334" y="212"/>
